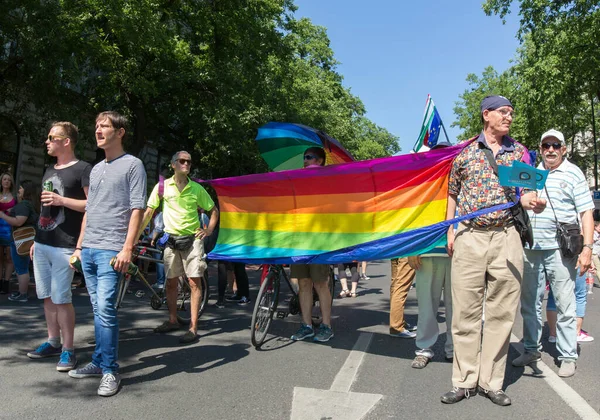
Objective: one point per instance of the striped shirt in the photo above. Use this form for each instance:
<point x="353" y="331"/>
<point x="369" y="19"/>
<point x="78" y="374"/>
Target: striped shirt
<point x="116" y="188"/>
<point x="438" y="251"/>
<point x="570" y="196"/>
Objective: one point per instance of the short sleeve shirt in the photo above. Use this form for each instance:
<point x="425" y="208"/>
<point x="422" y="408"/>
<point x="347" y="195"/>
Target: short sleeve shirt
<point x="473" y="181"/>
<point x="60" y="226"/>
<point x="569" y="193"/>
<point x="117" y="187"/>
<point x="180" y="209"/>
<point x="25" y="208"/>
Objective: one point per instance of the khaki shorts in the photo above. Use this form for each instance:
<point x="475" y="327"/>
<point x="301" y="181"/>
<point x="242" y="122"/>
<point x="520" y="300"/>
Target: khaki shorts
<point x="316" y="272"/>
<point x="190" y="262"/>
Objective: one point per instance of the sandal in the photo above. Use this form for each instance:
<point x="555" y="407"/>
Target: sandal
<point x="420" y="362"/>
<point x="353" y="295"/>
<point x="165" y="327"/>
<point x="344" y="293"/>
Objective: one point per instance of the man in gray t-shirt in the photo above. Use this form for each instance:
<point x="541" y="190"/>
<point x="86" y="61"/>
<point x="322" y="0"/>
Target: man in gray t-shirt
<point x="115" y="206"/>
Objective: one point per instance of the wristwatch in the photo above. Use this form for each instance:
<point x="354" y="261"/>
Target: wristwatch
<point x="590" y="246"/>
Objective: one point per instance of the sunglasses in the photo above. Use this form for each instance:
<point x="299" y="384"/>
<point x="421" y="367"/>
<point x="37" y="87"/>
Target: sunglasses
<point x="53" y="139"/>
<point x="309" y="157"/>
<point x="555" y="146"/>
<point x="184" y="161"/>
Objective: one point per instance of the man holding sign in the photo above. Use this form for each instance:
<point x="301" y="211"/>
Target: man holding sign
<point x="487" y="255"/>
<point x="568" y="194"/>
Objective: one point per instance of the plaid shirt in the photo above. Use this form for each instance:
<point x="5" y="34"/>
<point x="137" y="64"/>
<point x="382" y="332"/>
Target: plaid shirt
<point x="473" y="181"/>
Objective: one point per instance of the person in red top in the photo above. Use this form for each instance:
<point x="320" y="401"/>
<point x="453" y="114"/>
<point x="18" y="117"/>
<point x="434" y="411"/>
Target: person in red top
<point x="7" y="202"/>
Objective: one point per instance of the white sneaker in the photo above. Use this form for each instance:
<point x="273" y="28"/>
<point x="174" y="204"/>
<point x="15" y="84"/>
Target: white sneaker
<point x="109" y="385"/>
<point x="551" y="339"/>
<point x="404" y="334"/>
<point x="584" y="337"/>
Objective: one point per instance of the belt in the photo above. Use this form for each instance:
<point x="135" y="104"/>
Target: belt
<point x="488" y="228"/>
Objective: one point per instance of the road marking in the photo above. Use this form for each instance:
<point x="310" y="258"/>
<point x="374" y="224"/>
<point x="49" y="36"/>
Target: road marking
<point x="564" y="391"/>
<point x="337" y="402"/>
<point x="347" y="374"/>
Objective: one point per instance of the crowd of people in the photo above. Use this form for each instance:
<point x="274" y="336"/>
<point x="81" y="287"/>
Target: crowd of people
<point x="484" y="272"/>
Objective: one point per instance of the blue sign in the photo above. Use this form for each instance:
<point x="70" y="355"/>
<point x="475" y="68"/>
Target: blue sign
<point x="522" y="175"/>
<point x="596" y="195"/>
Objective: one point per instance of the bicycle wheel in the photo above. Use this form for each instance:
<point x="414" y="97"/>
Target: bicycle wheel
<point x="264" y="308"/>
<point x="331" y="282"/>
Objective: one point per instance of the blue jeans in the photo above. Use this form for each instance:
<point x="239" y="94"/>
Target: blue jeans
<point x="539" y="266"/>
<point x="580" y="296"/>
<point x="102" y="282"/>
<point x="160" y="270"/>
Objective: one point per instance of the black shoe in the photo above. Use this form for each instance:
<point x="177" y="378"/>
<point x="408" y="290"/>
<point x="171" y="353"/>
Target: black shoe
<point x="233" y="298"/>
<point x="458" y="394"/>
<point x="3" y="287"/>
<point x="497" y="397"/>
<point x="220" y="304"/>
<point x="188" y="337"/>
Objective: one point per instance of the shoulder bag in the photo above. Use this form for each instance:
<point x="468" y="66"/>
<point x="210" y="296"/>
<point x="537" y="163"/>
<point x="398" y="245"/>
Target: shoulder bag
<point x="568" y="235"/>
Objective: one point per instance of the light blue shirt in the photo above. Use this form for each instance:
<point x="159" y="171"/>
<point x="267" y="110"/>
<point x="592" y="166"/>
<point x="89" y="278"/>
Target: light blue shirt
<point x="569" y="194"/>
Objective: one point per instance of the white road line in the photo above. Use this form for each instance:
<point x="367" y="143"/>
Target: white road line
<point x="347" y="374"/>
<point x="564" y="391"/>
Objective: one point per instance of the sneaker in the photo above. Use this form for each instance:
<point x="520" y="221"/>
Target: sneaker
<point x="551" y="339"/>
<point x="404" y="334"/>
<point x="243" y="301"/>
<point x="584" y="337"/>
<point x="88" y="371"/>
<point x="526" y="358"/>
<point x="19" y="297"/>
<point x="67" y="361"/>
<point x="325" y="333"/>
<point x="409" y="327"/>
<point x="304" y="332"/>
<point x="220" y="304"/>
<point x="567" y="369"/>
<point x="45" y="350"/>
<point x="233" y="298"/>
<point x="158" y="287"/>
<point x="109" y="385"/>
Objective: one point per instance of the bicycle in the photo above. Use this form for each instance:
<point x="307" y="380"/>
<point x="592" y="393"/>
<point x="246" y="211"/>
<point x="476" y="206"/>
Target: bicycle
<point x="184" y="316"/>
<point x="268" y="299"/>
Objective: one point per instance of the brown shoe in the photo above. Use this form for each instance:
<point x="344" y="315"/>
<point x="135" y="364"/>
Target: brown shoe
<point x="458" y="394"/>
<point x="497" y="397"/>
<point x="166" y="327"/>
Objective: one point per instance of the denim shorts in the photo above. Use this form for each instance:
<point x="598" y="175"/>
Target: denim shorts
<point x="21" y="262"/>
<point x="53" y="276"/>
<point x="580" y="297"/>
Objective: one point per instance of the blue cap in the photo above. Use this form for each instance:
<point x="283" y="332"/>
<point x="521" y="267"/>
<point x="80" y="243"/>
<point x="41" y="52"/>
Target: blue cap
<point x="494" y="102"/>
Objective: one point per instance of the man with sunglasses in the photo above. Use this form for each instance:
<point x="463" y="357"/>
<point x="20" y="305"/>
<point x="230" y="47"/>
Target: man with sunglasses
<point x="568" y="194"/>
<point x="55" y="240"/>
<point x="184" y="252"/>
<point x="487" y="257"/>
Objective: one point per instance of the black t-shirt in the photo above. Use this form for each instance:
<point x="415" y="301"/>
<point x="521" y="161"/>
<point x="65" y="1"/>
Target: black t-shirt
<point x="24" y="208"/>
<point x="60" y="226"/>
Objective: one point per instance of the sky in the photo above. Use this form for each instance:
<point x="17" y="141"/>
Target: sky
<point x="395" y="52"/>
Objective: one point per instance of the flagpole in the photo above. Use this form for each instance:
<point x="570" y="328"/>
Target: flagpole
<point x="427" y="106"/>
<point x="444" y="128"/>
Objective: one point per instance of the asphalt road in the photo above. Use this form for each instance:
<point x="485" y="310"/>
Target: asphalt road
<point x="224" y="377"/>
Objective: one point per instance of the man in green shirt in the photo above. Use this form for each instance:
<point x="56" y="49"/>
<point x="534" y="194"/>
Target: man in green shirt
<point x="184" y="251"/>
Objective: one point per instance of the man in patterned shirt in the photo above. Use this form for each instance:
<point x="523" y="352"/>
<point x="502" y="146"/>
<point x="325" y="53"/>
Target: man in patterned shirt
<point x="487" y="254"/>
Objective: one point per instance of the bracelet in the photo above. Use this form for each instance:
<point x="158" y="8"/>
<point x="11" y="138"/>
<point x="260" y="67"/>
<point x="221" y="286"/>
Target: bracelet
<point x="77" y="249"/>
<point x="590" y="246"/>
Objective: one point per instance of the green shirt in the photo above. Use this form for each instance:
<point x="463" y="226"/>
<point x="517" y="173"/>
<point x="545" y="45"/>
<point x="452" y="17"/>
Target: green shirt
<point x="180" y="209"/>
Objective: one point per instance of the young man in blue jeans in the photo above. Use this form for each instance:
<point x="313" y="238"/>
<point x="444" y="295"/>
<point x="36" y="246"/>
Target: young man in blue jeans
<point x="114" y="210"/>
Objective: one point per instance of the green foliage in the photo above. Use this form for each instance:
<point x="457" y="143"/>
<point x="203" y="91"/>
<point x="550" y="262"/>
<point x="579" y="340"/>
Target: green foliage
<point x="200" y="75"/>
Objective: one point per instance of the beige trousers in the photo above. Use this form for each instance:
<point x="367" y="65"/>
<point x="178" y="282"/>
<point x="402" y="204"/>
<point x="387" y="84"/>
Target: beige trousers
<point x="493" y="259"/>
<point x="402" y="278"/>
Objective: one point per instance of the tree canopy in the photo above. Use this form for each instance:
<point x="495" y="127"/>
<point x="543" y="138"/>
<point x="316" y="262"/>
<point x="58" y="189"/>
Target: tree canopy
<point x="201" y="75"/>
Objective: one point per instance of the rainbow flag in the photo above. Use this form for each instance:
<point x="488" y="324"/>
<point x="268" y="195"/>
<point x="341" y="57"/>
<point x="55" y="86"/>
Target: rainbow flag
<point x="369" y="210"/>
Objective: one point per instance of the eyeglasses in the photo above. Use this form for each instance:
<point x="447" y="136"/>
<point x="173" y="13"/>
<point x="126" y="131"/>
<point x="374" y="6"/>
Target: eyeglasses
<point x="309" y="157"/>
<point x="53" y="139"/>
<point x="555" y="146"/>
<point x="505" y="112"/>
<point x="184" y="161"/>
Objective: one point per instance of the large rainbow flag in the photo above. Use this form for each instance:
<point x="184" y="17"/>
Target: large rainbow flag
<point x="369" y="210"/>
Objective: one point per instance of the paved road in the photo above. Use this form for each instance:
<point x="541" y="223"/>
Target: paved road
<point x="223" y="377"/>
